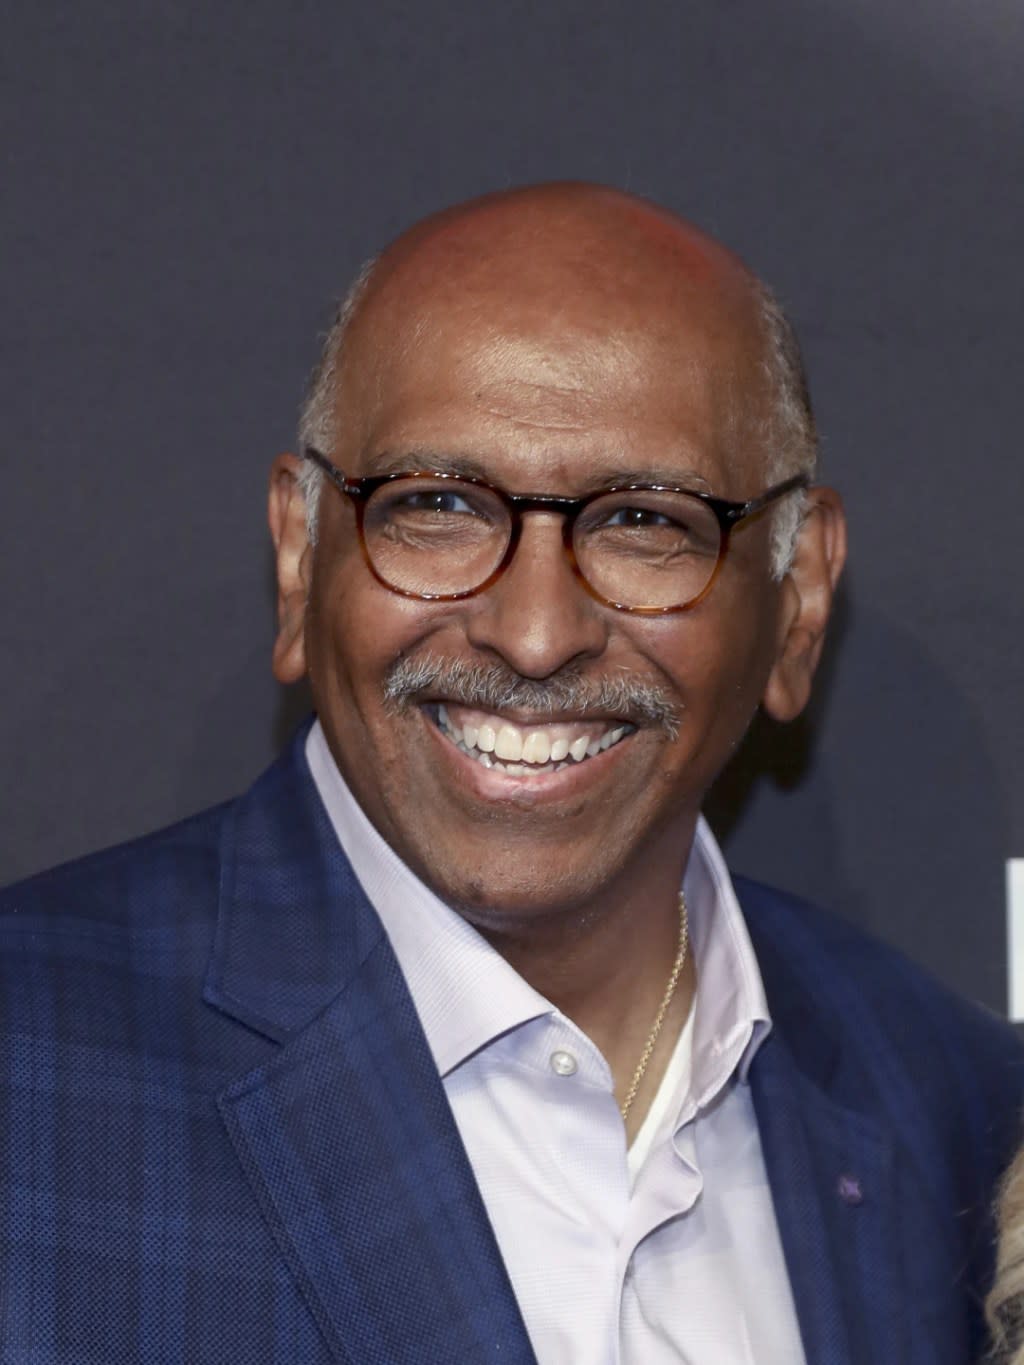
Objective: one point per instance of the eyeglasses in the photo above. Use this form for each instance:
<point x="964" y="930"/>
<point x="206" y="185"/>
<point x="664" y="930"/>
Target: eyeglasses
<point x="645" y="548"/>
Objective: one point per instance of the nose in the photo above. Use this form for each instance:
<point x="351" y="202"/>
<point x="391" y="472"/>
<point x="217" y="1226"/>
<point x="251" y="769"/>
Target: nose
<point x="538" y="616"/>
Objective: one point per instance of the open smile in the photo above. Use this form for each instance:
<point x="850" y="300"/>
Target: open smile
<point x="527" y="750"/>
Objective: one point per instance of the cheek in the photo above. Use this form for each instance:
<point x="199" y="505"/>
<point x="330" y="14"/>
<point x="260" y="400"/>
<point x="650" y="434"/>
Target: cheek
<point x="718" y="670"/>
<point x="355" y="630"/>
<point x="347" y="635"/>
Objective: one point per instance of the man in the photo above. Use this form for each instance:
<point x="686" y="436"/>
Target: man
<point x="450" y="1041"/>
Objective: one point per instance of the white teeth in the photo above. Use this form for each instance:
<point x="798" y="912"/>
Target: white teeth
<point x="524" y="753"/>
<point x="509" y="744"/>
<point x="537" y="748"/>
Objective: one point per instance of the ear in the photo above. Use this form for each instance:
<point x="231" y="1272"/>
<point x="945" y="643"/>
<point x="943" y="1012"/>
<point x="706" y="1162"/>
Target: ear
<point x="286" y="512"/>
<point x="807" y="593"/>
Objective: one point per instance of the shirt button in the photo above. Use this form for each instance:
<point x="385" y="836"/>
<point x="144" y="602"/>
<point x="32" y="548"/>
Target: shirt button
<point x="563" y="1063"/>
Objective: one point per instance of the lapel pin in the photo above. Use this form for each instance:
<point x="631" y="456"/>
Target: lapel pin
<point x="849" y="1190"/>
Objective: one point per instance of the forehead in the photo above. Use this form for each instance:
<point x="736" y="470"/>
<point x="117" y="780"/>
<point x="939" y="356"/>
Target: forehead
<point x="554" y="370"/>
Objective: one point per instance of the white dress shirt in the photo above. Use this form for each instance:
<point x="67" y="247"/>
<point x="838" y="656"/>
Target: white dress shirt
<point x="666" y="1253"/>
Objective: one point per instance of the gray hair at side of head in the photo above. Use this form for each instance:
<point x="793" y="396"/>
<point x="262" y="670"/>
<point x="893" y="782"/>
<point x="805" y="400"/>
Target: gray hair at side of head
<point x="789" y="434"/>
<point x="788" y="431"/>
<point x="317" y="415"/>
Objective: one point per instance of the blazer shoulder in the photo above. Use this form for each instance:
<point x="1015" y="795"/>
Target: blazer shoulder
<point x="124" y="888"/>
<point x="823" y="947"/>
<point x="828" y="979"/>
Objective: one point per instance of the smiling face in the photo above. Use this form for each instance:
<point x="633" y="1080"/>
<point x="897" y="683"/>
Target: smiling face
<point x="530" y="751"/>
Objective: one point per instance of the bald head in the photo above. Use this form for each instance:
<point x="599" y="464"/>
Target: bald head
<point x="594" y="246"/>
<point x="544" y="278"/>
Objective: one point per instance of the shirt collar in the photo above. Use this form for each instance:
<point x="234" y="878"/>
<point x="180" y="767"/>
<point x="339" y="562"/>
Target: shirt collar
<point x="464" y="991"/>
<point x="467" y="995"/>
<point x="731" y="1018"/>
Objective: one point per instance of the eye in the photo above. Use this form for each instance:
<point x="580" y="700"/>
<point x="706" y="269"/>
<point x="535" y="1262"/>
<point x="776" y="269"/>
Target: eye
<point x="444" y="501"/>
<point x="638" y="517"/>
<point x="439" y="509"/>
<point x="423" y="500"/>
<point x="649" y="521"/>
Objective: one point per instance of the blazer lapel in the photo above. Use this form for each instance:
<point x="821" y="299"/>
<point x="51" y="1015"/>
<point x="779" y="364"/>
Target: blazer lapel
<point x="871" y="1243"/>
<point x="830" y="1164"/>
<point x="831" y="1175"/>
<point x="345" y="1134"/>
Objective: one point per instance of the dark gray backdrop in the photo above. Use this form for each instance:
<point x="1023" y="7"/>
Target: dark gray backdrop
<point x="187" y="186"/>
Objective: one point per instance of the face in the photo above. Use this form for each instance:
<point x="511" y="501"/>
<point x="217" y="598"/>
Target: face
<point x="544" y="406"/>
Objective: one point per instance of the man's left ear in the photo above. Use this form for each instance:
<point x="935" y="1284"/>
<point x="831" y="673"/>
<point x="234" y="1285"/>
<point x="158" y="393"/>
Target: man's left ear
<point x="807" y="593"/>
<point x="286" y="513"/>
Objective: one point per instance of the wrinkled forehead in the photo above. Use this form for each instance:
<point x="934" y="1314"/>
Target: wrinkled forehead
<point x="557" y="330"/>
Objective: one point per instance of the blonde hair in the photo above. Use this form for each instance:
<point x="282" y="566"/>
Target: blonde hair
<point x="1004" y="1307"/>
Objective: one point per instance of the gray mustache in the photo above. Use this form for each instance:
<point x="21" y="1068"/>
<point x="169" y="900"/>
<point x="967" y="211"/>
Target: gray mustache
<point x="496" y="687"/>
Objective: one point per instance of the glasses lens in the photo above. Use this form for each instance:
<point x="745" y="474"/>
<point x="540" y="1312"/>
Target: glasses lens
<point x="433" y="536"/>
<point x="644" y="548"/>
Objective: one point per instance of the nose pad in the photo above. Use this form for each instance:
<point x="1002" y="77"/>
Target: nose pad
<point x="538" y="615"/>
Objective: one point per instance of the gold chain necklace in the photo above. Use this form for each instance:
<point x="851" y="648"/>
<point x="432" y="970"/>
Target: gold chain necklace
<point x="659" y="1018"/>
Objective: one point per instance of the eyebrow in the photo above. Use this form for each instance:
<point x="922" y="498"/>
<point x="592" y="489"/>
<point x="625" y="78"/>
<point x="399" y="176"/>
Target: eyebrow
<point x="422" y="459"/>
<point x="611" y="477"/>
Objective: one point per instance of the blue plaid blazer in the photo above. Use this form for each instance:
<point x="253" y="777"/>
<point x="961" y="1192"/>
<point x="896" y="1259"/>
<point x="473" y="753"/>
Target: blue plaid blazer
<point x="223" y="1139"/>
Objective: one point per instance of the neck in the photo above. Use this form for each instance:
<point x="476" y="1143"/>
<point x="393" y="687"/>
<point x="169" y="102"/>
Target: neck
<point x="607" y="970"/>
